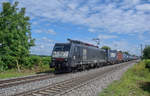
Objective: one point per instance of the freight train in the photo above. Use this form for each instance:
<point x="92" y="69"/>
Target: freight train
<point x="77" y="55"/>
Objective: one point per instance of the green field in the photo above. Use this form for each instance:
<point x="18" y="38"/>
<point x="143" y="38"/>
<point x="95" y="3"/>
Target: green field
<point x="15" y="73"/>
<point x="25" y="72"/>
<point x="135" y="82"/>
<point x="34" y="65"/>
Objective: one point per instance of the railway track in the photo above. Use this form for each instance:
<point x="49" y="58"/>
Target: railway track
<point x="66" y="86"/>
<point x="23" y="80"/>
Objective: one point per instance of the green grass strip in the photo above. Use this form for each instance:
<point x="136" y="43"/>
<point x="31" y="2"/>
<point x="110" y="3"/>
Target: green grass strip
<point x="134" y="82"/>
<point x="25" y="72"/>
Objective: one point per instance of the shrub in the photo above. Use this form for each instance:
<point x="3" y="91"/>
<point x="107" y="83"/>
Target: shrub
<point x="44" y="62"/>
<point x="147" y="63"/>
<point x="31" y="61"/>
<point x="9" y="61"/>
<point x="3" y="66"/>
<point x="27" y="62"/>
<point x="35" y="60"/>
<point x="146" y="52"/>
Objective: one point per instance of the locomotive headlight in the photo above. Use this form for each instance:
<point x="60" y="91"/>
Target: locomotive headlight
<point x="60" y="54"/>
<point x="54" y="54"/>
<point x="65" y="54"/>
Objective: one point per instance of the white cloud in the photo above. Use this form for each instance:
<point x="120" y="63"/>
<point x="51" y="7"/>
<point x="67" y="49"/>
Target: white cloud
<point x="35" y="23"/>
<point x="124" y="45"/>
<point x="37" y="31"/>
<point x="143" y="7"/>
<point x="92" y="30"/>
<point x="51" y="31"/>
<point x="147" y="41"/>
<point x="92" y="14"/>
<point x="43" y="46"/>
<point x="84" y="10"/>
<point x="107" y="36"/>
<point x="47" y="40"/>
<point x="106" y="16"/>
<point x="72" y="5"/>
<point x="136" y="1"/>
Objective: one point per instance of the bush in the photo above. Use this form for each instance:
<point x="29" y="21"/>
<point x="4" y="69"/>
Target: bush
<point x="27" y="62"/>
<point x="36" y="61"/>
<point x="9" y="61"/>
<point x="146" y="52"/>
<point x="3" y="66"/>
<point x="44" y="62"/>
<point x="147" y="63"/>
<point x="31" y="61"/>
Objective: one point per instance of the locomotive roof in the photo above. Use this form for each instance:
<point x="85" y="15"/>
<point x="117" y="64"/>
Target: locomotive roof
<point x="62" y="43"/>
<point x="82" y="43"/>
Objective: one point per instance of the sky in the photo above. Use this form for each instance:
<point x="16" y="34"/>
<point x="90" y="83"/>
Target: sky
<point x="120" y="24"/>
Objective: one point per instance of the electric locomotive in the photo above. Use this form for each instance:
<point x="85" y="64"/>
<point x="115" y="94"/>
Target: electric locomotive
<point x="76" y="55"/>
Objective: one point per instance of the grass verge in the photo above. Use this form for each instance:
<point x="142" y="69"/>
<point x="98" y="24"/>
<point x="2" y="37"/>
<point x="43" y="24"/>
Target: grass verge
<point x="25" y="72"/>
<point x="135" y="82"/>
<point x="15" y="73"/>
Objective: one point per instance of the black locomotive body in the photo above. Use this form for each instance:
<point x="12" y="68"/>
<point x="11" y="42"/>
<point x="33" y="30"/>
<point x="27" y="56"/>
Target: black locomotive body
<point x="76" y="55"/>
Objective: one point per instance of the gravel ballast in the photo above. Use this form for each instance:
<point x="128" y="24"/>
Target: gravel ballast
<point x="90" y="89"/>
<point x="94" y="87"/>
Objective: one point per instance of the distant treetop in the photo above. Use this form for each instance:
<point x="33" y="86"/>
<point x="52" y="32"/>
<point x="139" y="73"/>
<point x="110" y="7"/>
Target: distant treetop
<point x="106" y="47"/>
<point x="126" y="52"/>
<point x="146" y="52"/>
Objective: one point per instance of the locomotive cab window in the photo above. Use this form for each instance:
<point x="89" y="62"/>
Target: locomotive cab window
<point x="61" y="51"/>
<point x="63" y="47"/>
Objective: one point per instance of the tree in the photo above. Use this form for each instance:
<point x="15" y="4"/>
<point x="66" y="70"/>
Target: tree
<point x="15" y="34"/>
<point x="126" y="53"/>
<point x="146" y="53"/>
<point x="106" y="47"/>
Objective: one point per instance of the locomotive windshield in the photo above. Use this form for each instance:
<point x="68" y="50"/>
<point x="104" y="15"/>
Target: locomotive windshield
<point x="61" y="50"/>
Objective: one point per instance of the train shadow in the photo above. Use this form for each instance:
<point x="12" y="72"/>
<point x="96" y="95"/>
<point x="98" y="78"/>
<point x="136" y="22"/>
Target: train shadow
<point x="145" y="86"/>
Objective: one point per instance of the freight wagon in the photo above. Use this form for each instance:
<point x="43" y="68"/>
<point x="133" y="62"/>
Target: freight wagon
<point x="119" y="57"/>
<point x="111" y="56"/>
